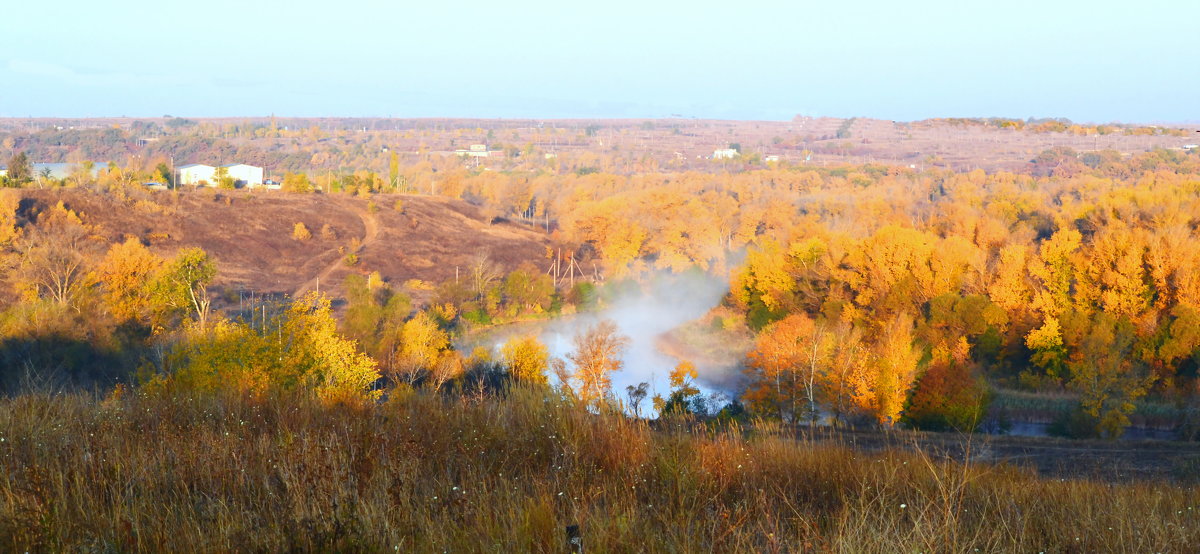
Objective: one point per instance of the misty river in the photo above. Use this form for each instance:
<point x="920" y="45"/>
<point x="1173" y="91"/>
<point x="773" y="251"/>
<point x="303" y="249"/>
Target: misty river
<point x="643" y="314"/>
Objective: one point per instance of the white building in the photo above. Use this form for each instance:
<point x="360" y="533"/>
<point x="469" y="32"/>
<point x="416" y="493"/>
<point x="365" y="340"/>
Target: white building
<point x="725" y="154"/>
<point x="476" y="151"/>
<point x="196" y="174"/>
<point x="201" y="174"/>
<point x="245" y="175"/>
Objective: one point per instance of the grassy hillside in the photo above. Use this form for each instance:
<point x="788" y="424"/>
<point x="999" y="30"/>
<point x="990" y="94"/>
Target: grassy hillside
<point x="425" y="473"/>
<point x="250" y="234"/>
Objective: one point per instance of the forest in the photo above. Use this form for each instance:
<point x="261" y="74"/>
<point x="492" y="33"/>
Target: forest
<point x="900" y="301"/>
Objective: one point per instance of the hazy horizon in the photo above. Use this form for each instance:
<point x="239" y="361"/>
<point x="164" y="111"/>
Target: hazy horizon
<point x="759" y="61"/>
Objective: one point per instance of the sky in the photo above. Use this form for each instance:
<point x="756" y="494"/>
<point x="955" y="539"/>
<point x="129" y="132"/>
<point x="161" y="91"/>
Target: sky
<point x="1090" y="61"/>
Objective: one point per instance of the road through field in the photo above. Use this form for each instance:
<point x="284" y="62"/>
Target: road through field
<point x="371" y="224"/>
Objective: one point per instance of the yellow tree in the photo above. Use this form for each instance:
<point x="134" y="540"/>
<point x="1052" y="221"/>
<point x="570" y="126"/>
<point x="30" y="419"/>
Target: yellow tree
<point x="849" y="382"/>
<point x="1054" y="271"/>
<point x="897" y="361"/>
<point x="125" y="273"/>
<point x="526" y="359"/>
<point x="684" y="397"/>
<point x="597" y="355"/>
<point x="1010" y="286"/>
<point x="10" y="201"/>
<point x="1112" y="274"/>
<point x="316" y="356"/>
<point x="421" y="344"/>
<point x="765" y="276"/>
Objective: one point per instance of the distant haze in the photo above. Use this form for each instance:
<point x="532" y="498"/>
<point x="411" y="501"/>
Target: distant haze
<point x="1088" y="61"/>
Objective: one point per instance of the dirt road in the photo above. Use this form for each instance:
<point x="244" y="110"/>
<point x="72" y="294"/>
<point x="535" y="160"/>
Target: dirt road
<point x="371" y="224"/>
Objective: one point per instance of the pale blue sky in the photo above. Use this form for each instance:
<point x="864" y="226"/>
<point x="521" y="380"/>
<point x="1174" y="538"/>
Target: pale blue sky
<point x="1087" y="60"/>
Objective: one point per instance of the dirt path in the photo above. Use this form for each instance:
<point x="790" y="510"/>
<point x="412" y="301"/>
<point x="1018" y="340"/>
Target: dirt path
<point x="371" y="224"/>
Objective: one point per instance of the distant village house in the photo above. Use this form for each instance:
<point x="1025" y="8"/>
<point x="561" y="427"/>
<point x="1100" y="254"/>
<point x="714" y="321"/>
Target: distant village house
<point x="202" y="174"/>
<point x="475" y="151"/>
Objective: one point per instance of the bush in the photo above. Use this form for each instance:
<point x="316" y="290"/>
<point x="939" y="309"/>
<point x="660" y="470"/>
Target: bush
<point x="297" y="350"/>
<point x="300" y="232"/>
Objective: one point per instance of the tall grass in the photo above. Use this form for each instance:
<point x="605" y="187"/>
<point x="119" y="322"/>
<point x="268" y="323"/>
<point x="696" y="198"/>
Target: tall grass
<point x="1049" y="406"/>
<point x="423" y="473"/>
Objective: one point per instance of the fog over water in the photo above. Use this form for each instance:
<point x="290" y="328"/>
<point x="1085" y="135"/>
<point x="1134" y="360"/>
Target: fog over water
<point x="642" y="313"/>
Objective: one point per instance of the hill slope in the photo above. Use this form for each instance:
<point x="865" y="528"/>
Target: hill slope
<point x="250" y="234"/>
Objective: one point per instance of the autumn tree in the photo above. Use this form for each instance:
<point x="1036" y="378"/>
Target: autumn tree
<point x="526" y="359"/>
<point x="764" y="284"/>
<point x="790" y="360"/>
<point x="19" y="169"/>
<point x="897" y="363"/>
<point x="182" y="286"/>
<point x="126" y="273"/>
<point x="1179" y="339"/>
<point x="296" y="182"/>
<point x="527" y="289"/>
<point x="597" y="355"/>
<point x="948" y="394"/>
<point x="54" y="258"/>
<point x="685" y="396"/>
<point x="421" y="345"/>
<point x="448" y="366"/>
<point x="375" y="316"/>
<point x="321" y="359"/>
<point x="10" y="202"/>
<point x="222" y="179"/>
<point x="1108" y="377"/>
<point x="483" y="272"/>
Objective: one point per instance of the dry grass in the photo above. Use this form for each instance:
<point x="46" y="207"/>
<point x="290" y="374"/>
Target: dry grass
<point x="426" y="473"/>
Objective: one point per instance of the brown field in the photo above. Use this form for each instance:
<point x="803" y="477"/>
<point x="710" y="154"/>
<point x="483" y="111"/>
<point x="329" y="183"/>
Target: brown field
<point x="249" y="234"/>
<point x="429" y="473"/>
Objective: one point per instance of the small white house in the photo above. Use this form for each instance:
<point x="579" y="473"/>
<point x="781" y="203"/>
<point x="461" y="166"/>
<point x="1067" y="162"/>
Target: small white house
<point x="246" y="175"/>
<point x="195" y="174"/>
<point x="725" y="154"/>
